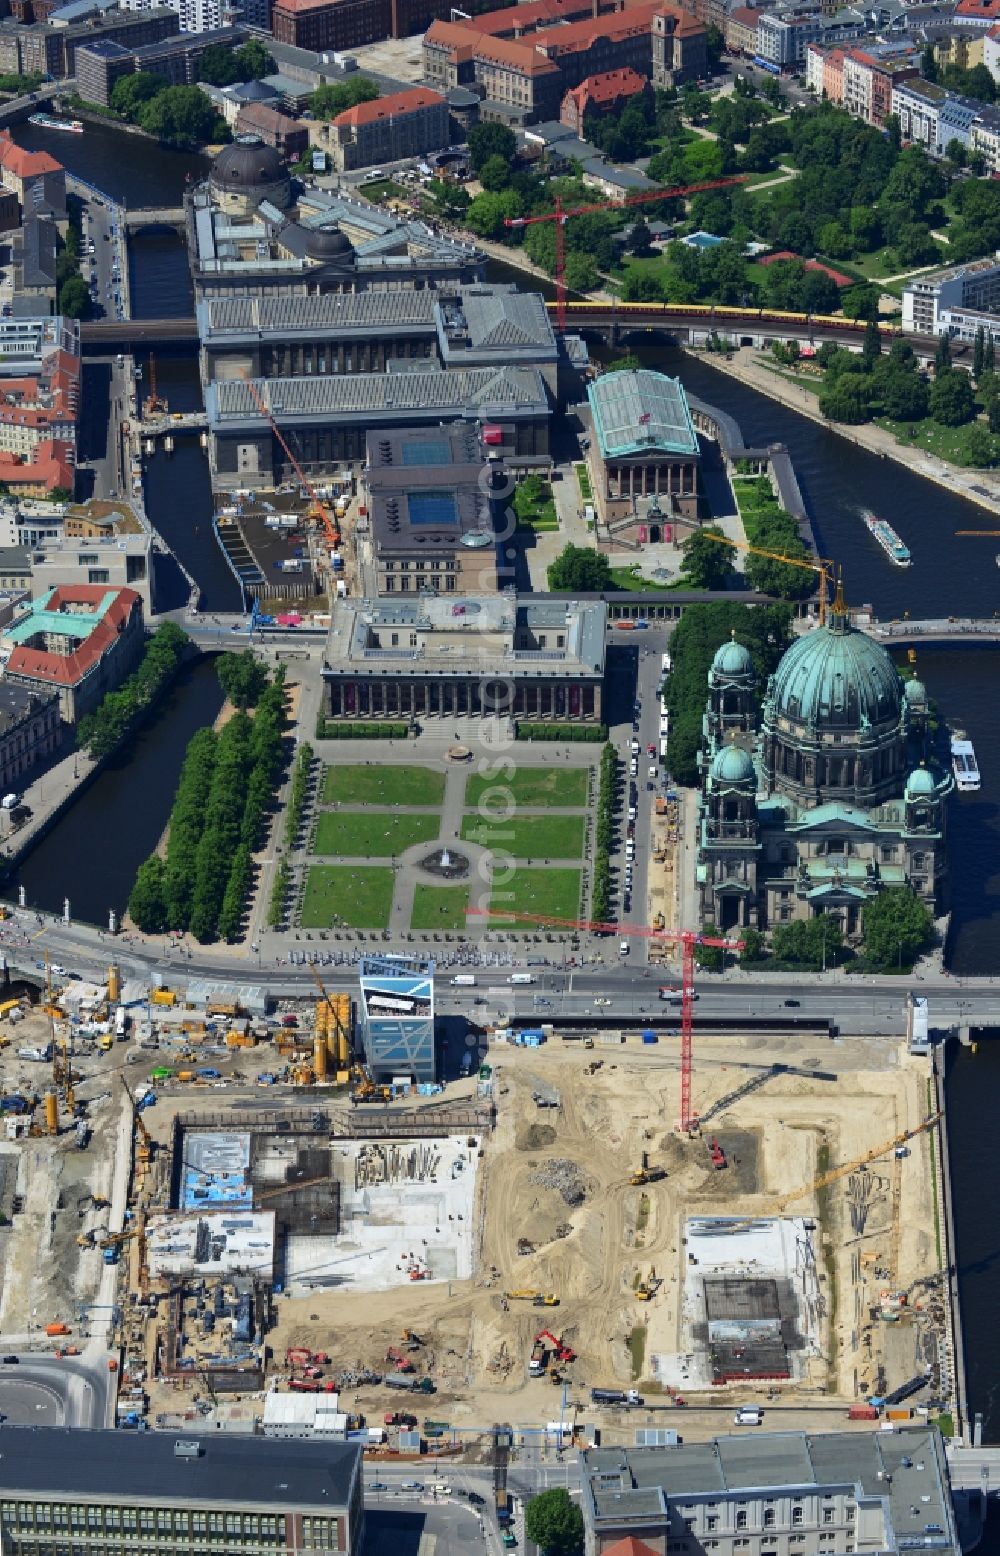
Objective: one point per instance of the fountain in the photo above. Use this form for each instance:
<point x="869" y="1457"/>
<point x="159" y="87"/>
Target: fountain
<point x="446" y="864"/>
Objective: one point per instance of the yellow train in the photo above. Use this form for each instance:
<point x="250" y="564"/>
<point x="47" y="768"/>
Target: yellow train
<point x="715" y="311"/>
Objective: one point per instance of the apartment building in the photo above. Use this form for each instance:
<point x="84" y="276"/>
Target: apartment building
<point x="50" y="50"/>
<point x="775" y="1494"/>
<point x="404" y="124"/>
<point x="869" y="75"/>
<point x="932" y="117"/>
<point x="930" y="301"/>
<point x="741" y="30"/>
<point x="121" y="1491"/>
<point x="977" y="13"/>
<point x="782" y="39"/>
<point x="30" y="729"/>
<point x="991" y="52"/>
<point x="39" y="402"/>
<point x="35" y="177"/>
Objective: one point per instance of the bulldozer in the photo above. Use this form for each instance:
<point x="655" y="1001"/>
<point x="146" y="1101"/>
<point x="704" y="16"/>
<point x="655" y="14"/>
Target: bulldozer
<point x="646" y="1174"/>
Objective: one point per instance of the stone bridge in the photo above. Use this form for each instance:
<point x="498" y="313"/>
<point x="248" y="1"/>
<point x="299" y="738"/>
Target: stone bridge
<point x="21" y="108"/>
<point x="153" y="216"/>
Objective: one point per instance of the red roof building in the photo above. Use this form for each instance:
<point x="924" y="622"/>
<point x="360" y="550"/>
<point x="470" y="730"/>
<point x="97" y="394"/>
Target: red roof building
<point x="34" y="176"/>
<point x="977" y="13"/>
<point x="605" y="93"/>
<point x="80" y="640"/>
<point x="630" y="1546"/>
<point x="405" y="124"/>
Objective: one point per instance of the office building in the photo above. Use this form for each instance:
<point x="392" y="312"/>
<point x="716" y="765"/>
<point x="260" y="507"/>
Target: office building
<point x="396" y="1017"/>
<point x="118" y="559"/>
<point x="33" y="255"/>
<point x="182" y="1496"/>
<point x="932" y="117"/>
<point x="79" y="641"/>
<point x="243" y="240"/>
<point x="817" y="1494"/>
<point x="404" y="124"/>
<point x="331" y="417"/>
<point x="195" y="16"/>
<point x="99" y="68"/>
<point x="496" y="656"/>
<point x="644" y="456"/>
<point x="430" y="500"/>
<point x="950" y="302"/>
<point x="525" y="76"/>
<point x="49" y="50"/>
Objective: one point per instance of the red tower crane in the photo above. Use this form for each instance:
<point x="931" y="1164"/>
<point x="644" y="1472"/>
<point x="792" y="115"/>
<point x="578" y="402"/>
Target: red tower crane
<point x="687" y="939"/>
<point x="562" y="214"/>
<point x="318" y="509"/>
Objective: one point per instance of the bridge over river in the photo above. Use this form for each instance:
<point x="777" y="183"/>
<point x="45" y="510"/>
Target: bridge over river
<point x="945" y="629"/>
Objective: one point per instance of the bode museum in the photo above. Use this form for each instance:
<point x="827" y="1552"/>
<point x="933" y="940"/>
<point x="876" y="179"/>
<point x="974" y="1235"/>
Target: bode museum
<point x="823" y="793"/>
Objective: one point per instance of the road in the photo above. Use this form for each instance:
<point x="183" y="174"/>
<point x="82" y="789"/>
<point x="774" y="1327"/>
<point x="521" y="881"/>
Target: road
<point x="46" y="1391"/>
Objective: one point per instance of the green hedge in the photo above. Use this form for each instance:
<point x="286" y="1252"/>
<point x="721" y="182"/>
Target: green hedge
<point x="335" y="730"/>
<point x="297" y="797"/>
<point x="569" y="732"/>
<point x="279" y="895"/>
<point x="600" y="904"/>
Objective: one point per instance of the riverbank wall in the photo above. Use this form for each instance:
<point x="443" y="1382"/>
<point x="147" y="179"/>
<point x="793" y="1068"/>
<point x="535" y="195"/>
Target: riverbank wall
<point x="773" y="460"/>
<point x="981" y="487"/>
<point x="952" y="1360"/>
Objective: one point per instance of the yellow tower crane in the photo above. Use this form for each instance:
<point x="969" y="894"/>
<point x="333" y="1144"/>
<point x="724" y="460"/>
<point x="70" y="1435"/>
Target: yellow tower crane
<point x="821" y="566"/>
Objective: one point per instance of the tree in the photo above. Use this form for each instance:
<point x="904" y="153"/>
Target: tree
<point x="641" y="238"/>
<point x="488" y="212"/>
<point x="491" y="140"/>
<point x="951" y="399"/>
<point x="555" y="1523"/>
<point x="871" y="348"/>
<point x="904" y="395"/>
<point x="333" y="98"/>
<point x="978" y="447"/>
<point x="860" y="302"/>
<point x="253" y="60"/>
<point x="579" y="569"/>
<point x="846" y="399"/>
<point x="942" y="357"/>
<point x="147" y="903"/>
<point x="131" y="92"/>
<point x="928" y="63"/>
<point x="242" y="677"/>
<point x="494" y="174"/>
<point x="813" y="942"/>
<point x="753" y="947"/>
<point x="581" y="273"/>
<point x="218" y="66"/>
<point x="711" y="958"/>
<point x="74" y="298"/>
<point x="180" y="116"/>
<point x="707" y="564"/>
<point x="895" y="927"/>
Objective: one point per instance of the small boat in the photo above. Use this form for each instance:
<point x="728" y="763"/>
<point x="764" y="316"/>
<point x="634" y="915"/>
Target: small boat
<point x="887" y="538"/>
<point x="47" y="122"/>
<point x="997" y="559"/>
<point x="963" y="762"/>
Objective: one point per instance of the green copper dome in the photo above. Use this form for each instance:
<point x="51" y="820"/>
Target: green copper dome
<point x="733" y="765"/>
<point x="920" y="782"/>
<point x="837" y="678"/>
<point x="915" y="691"/>
<point x="732" y="659"/>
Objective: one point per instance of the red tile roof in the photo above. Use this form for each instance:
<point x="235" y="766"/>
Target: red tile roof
<point x="49" y="466"/>
<point x="70" y="669"/>
<point x="630" y="1546"/>
<point x="745" y="16"/>
<point x="987" y="8"/>
<point x="25" y="164"/>
<point x="536" y="13"/>
<point x="576" y="36"/>
<point x="609" y="87"/>
<point x="391" y="107"/>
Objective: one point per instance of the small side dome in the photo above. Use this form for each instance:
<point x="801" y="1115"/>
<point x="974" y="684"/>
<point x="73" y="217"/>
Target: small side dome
<point x="915" y="691"/>
<point x="328" y="243"/>
<point x="920" y="783"/>
<point x="732" y="765"/>
<point x="732" y="659"/>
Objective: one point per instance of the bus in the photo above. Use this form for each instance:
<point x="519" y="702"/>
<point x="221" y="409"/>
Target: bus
<point x="121" y="1024"/>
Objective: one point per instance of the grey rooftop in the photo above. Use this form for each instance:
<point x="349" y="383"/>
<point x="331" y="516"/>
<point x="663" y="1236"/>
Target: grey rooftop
<point x="483" y="392"/>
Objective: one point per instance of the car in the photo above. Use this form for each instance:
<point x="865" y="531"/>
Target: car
<point x="509" y="1540"/>
<point x="411" y="1485"/>
<point x="476" y="1499"/>
<point x="793" y="1004"/>
<point x="11" y="1361"/>
<point x="651" y="749"/>
<point x="378" y="1485"/>
<point x="600" y="1000"/>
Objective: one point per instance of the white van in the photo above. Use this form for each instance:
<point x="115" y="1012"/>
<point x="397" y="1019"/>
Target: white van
<point x="748" y="1415"/>
<point x="520" y="978"/>
<point x="623" y="948"/>
<point x="464" y="980"/>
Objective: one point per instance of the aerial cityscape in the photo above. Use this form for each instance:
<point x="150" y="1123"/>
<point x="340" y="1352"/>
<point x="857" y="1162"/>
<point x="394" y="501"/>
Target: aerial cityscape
<point x="499" y="782"/>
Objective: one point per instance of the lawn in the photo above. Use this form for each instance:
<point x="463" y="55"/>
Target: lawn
<point x="383" y="189"/>
<point x="947" y="443"/>
<point x="337" y="895"/>
<point x="583" y="482"/>
<point x="530" y="786"/>
<point x="553" y="893"/>
<point x="630" y="580"/>
<point x="439" y="907"/>
<point x="371" y="834"/>
<point x="528" y="837"/>
<point x="374" y="785"/>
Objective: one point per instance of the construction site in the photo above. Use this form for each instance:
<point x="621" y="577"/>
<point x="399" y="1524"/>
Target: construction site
<point x="550" y="1222"/>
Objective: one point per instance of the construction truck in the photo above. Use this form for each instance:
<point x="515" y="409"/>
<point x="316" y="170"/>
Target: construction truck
<point x="646" y="1173"/>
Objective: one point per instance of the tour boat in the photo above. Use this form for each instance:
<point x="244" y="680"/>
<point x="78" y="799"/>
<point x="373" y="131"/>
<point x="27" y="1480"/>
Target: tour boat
<point x="887" y="538"/>
<point x="963" y="762"/>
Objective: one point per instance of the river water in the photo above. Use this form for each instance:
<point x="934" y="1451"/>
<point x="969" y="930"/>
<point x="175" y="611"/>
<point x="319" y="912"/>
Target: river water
<point x="950" y="576"/>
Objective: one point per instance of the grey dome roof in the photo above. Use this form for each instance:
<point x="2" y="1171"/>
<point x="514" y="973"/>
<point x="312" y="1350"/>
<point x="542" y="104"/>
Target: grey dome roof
<point x="247" y="164"/>
<point x="920" y="781"/>
<point x="732" y="659"/>
<point x="733" y="765"/>
<point x="328" y="243"/>
<point x="837" y="678"/>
